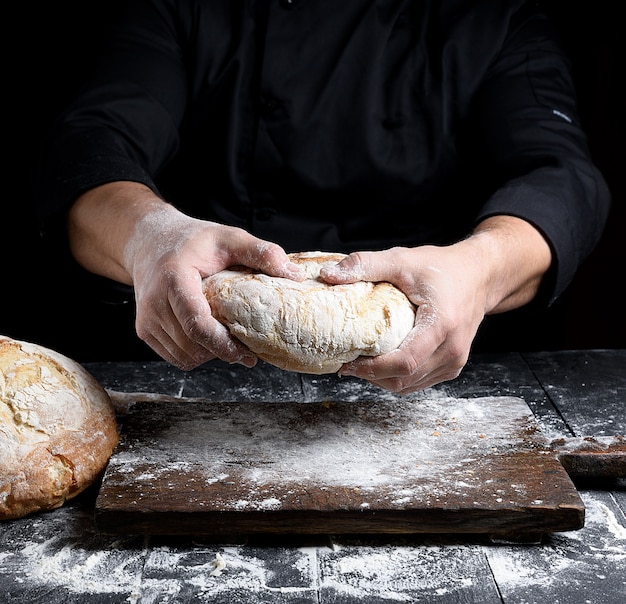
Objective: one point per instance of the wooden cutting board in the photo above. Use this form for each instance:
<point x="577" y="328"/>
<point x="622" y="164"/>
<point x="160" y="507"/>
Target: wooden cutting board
<point x="448" y="465"/>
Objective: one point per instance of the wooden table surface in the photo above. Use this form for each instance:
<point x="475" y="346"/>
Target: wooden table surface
<point x="60" y="557"/>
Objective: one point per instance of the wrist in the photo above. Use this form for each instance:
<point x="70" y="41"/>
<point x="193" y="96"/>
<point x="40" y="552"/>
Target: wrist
<point x="514" y="256"/>
<point x="101" y="223"/>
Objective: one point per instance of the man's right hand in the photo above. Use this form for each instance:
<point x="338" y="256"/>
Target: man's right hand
<point x="125" y="232"/>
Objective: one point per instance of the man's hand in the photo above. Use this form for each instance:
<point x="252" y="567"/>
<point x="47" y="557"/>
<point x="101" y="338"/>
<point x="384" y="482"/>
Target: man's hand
<point x="125" y="232"/>
<point x="499" y="267"/>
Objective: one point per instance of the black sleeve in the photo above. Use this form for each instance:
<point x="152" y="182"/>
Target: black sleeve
<point x="527" y="110"/>
<point x="125" y="125"/>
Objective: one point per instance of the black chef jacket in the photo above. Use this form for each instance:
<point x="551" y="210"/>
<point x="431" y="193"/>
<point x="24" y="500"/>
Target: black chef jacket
<point x="338" y="125"/>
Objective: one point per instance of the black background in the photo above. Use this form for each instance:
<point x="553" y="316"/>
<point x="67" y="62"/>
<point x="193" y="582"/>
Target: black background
<point x="52" y="45"/>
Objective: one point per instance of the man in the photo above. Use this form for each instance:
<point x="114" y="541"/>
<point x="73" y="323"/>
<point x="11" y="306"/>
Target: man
<point x="435" y="142"/>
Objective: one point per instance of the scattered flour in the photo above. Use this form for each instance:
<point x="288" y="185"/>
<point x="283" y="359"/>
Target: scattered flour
<point x="403" y="573"/>
<point x="260" y="456"/>
<point x="567" y="561"/>
<point x="614" y="526"/>
<point x="80" y="569"/>
<point x="220" y="565"/>
<point x="68" y="555"/>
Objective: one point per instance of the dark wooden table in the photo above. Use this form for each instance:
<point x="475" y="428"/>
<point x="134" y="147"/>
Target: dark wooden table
<point x="60" y="557"/>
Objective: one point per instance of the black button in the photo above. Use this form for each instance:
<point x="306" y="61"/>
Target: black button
<point x="287" y="3"/>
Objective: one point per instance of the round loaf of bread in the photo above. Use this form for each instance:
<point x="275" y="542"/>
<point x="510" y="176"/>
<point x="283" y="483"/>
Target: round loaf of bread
<point x="57" y="428"/>
<point x="309" y="326"/>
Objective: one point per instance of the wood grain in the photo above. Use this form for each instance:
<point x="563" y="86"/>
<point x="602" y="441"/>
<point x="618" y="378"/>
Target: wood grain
<point x="394" y="466"/>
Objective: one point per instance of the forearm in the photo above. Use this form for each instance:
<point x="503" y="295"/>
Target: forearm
<point x="515" y="257"/>
<point x="102" y="221"/>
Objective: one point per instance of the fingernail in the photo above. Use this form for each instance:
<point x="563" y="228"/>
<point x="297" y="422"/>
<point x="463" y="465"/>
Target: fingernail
<point x="247" y="361"/>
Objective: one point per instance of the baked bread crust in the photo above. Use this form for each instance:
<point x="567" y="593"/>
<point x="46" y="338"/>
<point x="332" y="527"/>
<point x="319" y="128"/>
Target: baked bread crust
<point x="309" y="326"/>
<point x="57" y="428"/>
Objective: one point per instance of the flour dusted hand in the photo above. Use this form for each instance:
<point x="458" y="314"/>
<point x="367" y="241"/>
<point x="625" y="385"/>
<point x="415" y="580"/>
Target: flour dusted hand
<point x="57" y="428"/>
<point x="309" y="326"/>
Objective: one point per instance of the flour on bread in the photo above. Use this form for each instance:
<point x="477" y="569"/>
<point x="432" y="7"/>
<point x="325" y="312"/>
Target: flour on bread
<point x="57" y="428"/>
<point x="309" y="326"/>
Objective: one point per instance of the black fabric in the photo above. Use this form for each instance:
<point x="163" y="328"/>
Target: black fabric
<point x="338" y="125"/>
